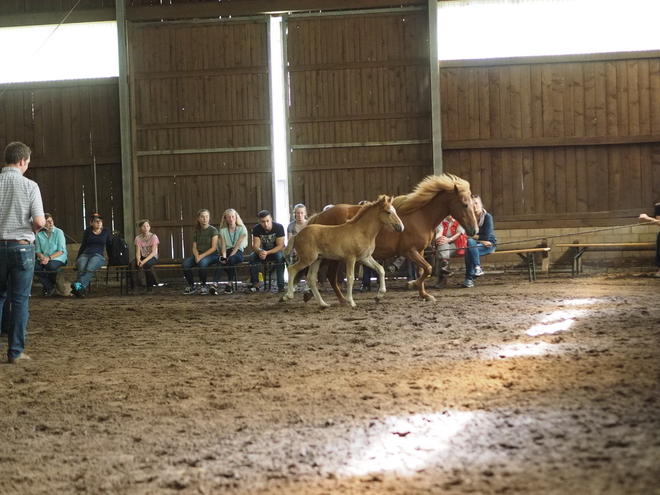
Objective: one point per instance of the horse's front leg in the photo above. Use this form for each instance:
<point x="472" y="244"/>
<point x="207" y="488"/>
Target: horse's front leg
<point x="424" y="270"/>
<point x="312" y="274"/>
<point x="350" y="279"/>
<point x="372" y="263"/>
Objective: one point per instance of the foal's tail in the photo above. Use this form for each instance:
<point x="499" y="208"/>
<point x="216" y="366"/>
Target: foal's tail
<point x="289" y="247"/>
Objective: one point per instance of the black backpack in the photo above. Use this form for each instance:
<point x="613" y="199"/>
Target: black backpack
<point x="119" y="253"/>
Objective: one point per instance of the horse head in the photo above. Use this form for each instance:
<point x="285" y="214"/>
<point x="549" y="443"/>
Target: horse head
<point x="388" y="215"/>
<point x="462" y="209"/>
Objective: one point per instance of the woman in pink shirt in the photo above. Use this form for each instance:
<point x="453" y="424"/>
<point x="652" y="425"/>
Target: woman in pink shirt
<point x="146" y="256"/>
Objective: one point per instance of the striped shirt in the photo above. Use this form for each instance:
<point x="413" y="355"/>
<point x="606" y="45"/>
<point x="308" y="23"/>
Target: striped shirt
<point x="20" y="201"/>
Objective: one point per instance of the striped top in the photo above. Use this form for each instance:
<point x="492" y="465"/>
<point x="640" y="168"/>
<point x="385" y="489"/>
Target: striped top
<point x="20" y="201"/>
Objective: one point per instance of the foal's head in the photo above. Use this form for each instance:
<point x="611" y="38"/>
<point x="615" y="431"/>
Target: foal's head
<point x="388" y="214"/>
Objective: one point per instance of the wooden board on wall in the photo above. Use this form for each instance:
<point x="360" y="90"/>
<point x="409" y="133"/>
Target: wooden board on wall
<point x="72" y="128"/>
<point x="202" y="124"/>
<point x="588" y="132"/>
<point x="359" y="109"/>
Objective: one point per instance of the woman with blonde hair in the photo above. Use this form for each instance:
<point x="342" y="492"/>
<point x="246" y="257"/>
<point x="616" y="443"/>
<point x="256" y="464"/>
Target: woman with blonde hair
<point x="233" y="240"/>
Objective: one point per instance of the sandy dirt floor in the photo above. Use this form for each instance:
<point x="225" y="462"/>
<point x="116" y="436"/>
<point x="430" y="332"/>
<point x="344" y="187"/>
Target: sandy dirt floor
<point x="550" y="387"/>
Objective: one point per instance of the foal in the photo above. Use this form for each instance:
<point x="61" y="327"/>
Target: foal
<point x="352" y="241"/>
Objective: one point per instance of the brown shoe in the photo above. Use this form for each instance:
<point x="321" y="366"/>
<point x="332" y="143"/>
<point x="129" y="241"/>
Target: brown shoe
<point x="22" y="357"/>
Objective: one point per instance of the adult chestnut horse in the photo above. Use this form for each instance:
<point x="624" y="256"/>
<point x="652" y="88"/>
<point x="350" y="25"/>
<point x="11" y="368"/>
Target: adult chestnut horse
<point x="351" y="241"/>
<point x="421" y="212"/>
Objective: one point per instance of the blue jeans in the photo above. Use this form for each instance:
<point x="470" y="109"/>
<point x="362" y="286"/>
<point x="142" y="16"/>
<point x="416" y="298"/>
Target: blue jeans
<point x="472" y="254"/>
<point x="203" y="264"/>
<point x="87" y="264"/>
<point x="47" y="274"/>
<point x="232" y="261"/>
<point x="16" y="272"/>
<point x="255" y="264"/>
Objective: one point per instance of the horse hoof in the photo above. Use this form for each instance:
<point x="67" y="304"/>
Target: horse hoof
<point x="429" y="298"/>
<point x="307" y="296"/>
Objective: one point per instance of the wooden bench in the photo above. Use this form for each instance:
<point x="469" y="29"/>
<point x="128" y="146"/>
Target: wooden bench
<point x="267" y="268"/>
<point x="527" y="255"/>
<point x="579" y="249"/>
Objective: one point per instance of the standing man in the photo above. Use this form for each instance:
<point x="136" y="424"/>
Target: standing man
<point x="267" y="245"/>
<point x="21" y="215"/>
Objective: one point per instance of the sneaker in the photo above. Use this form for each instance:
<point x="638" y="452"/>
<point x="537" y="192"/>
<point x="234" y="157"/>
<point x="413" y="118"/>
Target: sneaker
<point x="392" y="268"/>
<point x="365" y="288"/>
<point x="281" y="288"/>
<point x="478" y="272"/>
<point x="74" y="288"/>
<point x="203" y="291"/>
<point x="252" y="288"/>
<point x="213" y="290"/>
<point x="228" y="289"/>
<point x="190" y="290"/>
<point x="49" y="292"/>
<point x="22" y="357"/>
<point x="468" y="284"/>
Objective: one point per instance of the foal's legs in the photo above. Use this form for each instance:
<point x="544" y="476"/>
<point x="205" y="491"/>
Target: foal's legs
<point x="293" y="271"/>
<point x="350" y="278"/>
<point x="312" y="275"/>
<point x="372" y="263"/>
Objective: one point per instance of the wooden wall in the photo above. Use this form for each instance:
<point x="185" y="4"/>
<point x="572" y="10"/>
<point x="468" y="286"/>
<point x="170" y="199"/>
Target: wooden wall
<point x="72" y="128"/>
<point x="359" y="109"/>
<point x="201" y="119"/>
<point x="556" y="143"/>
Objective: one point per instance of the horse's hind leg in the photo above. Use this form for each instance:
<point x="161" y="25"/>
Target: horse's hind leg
<point x="372" y="263"/>
<point x="313" y="283"/>
<point x="333" y="271"/>
<point x="293" y="271"/>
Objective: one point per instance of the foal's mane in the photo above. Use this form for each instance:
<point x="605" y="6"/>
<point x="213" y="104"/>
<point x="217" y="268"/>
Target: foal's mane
<point x="361" y="212"/>
<point x="426" y="190"/>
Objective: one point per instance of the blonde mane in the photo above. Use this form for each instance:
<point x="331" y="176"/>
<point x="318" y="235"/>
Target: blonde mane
<point x="426" y="190"/>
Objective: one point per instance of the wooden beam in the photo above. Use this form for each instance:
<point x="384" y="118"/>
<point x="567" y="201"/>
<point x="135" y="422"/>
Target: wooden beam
<point x="45" y="18"/>
<point x="253" y="7"/>
<point x="477" y="144"/>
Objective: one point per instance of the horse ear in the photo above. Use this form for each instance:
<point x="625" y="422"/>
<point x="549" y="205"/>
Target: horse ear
<point x="456" y="189"/>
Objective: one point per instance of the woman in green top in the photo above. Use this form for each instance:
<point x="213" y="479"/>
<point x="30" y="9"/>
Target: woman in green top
<point x="205" y="253"/>
<point x="51" y="254"/>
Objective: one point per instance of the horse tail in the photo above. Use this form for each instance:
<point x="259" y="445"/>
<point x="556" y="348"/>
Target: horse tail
<point x="289" y="247"/>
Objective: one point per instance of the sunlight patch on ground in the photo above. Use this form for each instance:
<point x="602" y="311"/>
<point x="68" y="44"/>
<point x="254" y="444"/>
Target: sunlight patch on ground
<point x="521" y="350"/>
<point x="406" y="444"/>
<point x="557" y="321"/>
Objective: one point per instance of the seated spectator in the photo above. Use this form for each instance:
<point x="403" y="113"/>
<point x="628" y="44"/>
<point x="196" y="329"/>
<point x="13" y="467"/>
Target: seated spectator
<point x="233" y="240"/>
<point x="205" y="253"/>
<point x="299" y="222"/>
<point x="95" y="239"/>
<point x="51" y="255"/>
<point x="268" y="244"/>
<point x="450" y="240"/>
<point x="146" y="256"/>
<point x="484" y="243"/>
<point x="655" y="221"/>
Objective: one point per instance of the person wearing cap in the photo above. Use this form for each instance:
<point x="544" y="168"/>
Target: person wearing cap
<point x="95" y="239"/>
<point x="654" y="221"/>
<point x="21" y="215"/>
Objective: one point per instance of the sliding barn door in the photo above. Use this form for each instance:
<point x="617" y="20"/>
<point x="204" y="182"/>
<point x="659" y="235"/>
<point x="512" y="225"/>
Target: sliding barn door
<point x="201" y="121"/>
<point x="360" y="108"/>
